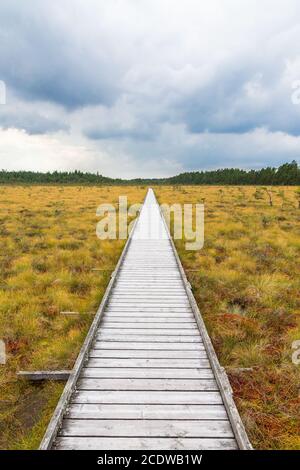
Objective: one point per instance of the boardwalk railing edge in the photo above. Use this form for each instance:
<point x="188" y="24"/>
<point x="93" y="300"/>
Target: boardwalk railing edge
<point x="62" y="404"/>
<point x="220" y="373"/>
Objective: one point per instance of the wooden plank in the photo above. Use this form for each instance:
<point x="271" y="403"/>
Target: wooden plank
<point x="153" y="331"/>
<point x="149" y="428"/>
<point x="38" y="376"/>
<point x="144" y="285"/>
<point x="150" y="269"/>
<point x="145" y="325"/>
<point x="152" y="266"/>
<point x="138" y="316"/>
<point x="154" y="373"/>
<point x="152" y="277"/>
<point x="137" y="270"/>
<point x="148" y="300"/>
<point x="177" y="363"/>
<point x="152" y="310"/>
<point x="147" y="384"/>
<point x="146" y="338"/>
<point x="140" y="346"/>
<point x="125" y="291"/>
<point x="178" y="443"/>
<point x="128" y="297"/>
<point x="177" y="286"/>
<point x="165" y="256"/>
<point x="150" y="272"/>
<point x="180" y="321"/>
<point x="159" y="262"/>
<point x="134" y="258"/>
<point x="161" y="286"/>
<point x="148" y="354"/>
<point x="140" y="397"/>
<point x="143" y="266"/>
<point x="116" y="411"/>
<point x="143" y="303"/>
<point x="162" y="283"/>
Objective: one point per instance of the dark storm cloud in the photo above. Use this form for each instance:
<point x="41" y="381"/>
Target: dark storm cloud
<point x="33" y="125"/>
<point x="45" y="57"/>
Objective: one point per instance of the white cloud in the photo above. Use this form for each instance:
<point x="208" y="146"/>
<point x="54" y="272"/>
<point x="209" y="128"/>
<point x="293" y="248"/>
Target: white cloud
<point x="20" y="151"/>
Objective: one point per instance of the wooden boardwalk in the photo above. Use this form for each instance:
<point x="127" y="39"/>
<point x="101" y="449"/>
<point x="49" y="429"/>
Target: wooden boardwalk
<point x="147" y="376"/>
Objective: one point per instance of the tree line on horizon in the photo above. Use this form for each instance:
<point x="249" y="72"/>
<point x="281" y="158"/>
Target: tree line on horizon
<point x="287" y="174"/>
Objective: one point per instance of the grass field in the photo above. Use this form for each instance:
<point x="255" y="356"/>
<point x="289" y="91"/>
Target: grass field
<point x="246" y="282"/>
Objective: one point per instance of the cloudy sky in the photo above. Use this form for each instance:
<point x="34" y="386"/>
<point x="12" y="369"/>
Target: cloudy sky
<point x="149" y="87"/>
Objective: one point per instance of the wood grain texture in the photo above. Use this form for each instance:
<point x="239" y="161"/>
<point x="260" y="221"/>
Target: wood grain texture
<point x="177" y="443"/>
<point x="144" y="363"/>
<point x="148" y="428"/>
<point x="150" y="373"/>
<point x="133" y="346"/>
<point x="147" y="397"/>
<point x="147" y="384"/>
<point x="148" y="354"/>
<point x="163" y="339"/>
<point x="127" y="411"/>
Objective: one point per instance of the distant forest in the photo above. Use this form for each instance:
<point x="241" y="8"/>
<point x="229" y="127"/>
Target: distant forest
<point x="287" y="174"/>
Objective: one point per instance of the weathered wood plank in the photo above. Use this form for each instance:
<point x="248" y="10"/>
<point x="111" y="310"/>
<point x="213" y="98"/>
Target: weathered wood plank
<point x="171" y="363"/>
<point x="154" y="373"/>
<point x="92" y="411"/>
<point x="160" y="283"/>
<point x="150" y="308"/>
<point x="151" y="291"/>
<point x="153" y="331"/>
<point x="40" y="375"/>
<point x="140" y="346"/>
<point x="178" y="443"/>
<point x="147" y="354"/>
<point x="147" y="302"/>
<point x="180" y="321"/>
<point x="149" y="428"/>
<point x="157" y="277"/>
<point x="152" y="315"/>
<point x="140" y="397"/>
<point x="146" y="338"/>
<point x="147" y="384"/>
<point x="145" y="325"/>
<point x="151" y="298"/>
